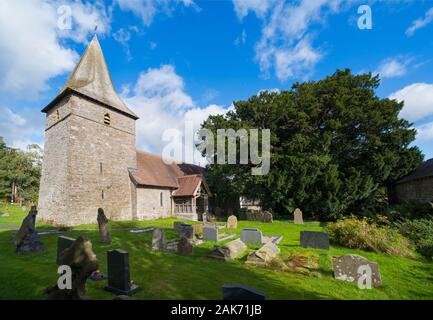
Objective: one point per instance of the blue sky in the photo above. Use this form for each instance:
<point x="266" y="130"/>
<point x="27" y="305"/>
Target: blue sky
<point x="183" y="60"/>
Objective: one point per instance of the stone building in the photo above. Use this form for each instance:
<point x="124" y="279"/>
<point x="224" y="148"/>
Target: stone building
<point x="91" y="162"/>
<point x="415" y="187"/>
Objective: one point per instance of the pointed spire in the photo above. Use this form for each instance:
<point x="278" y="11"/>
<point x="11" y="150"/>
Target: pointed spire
<point x="92" y="78"/>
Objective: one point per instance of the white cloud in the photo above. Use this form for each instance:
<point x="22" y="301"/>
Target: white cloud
<point x="242" y="39"/>
<point x="391" y="68"/>
<point x="160" y="100"/>
<point x="420" y="23"/>
<point x="30" y="42"/>
<point x="123" y="36"/>
<point x="259" y="7"/>
<point x="418" y="101"/>
<point x="425" y="132"/>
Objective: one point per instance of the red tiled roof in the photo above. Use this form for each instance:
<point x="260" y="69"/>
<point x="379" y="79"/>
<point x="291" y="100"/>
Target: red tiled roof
<point x="188" y="185"/>
<point x="153" y="171"/>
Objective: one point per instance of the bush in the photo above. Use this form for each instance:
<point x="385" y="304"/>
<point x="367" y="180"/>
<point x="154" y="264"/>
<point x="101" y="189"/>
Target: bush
<point x="365" y="235"/>
<point x="410" y="210"/>
<point x="420" y="232"/>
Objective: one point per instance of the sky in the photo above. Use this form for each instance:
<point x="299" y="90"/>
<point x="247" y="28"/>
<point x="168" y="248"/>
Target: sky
<point x="181" y="60"/>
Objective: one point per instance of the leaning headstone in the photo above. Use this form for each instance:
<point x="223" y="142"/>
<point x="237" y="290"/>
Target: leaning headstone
<point x="265" y="254"/>
<point x="232" y="222"/>
<point x="241" y="292"/>
<point x="158" y="240"/>
<point x="231" y="250"/>
<point x="298" y="219"/>
<point x="210" y="233"/>
<point x="119" y="278"/>
<point x="184" y="247"/>
<point x="27" y="239"/>
<point x="352" y="267"/>
<point x="63" y="243"/>
<point x="251" y="235"/>
<point x="82" y="261"/>
<point x="103" y="226"/>
<point x="315" y="239"/>
<point x="267" y="217"/>
<point x="187" y="231"/>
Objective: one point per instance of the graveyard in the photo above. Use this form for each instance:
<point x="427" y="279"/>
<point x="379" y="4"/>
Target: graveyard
<point x="165" y="274"/>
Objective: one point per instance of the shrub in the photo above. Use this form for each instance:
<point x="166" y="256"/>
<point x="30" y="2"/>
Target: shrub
<point x="420" y="232"/>
<point x="366" y="235"/>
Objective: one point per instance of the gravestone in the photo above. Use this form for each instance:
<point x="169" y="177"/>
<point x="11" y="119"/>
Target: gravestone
<point x="352" y="267"/>
<point x="267" y="217"/>
<point x="265" y="254"/>
<point x="82" y="261"/>
<point x="63" y="243"/>
<point x="315" y="239"/>
<point x="177" y="225"/>
<point x="119" y="278"/>
<point x="232" y="222"/>
<point x="231" y="250"/>
<point x="298" y="219"/>
<point x="198" y="230"/>
<point x="187" y="231"/>
<point x="158" y="240"/>
<point x="251" y="235"/>
<point x="184" y="247"/>
<point x="27" y="239"/>
<point x="103" y="226"/>
<point x="210" y="233"/>
<point x="241" y="292"/>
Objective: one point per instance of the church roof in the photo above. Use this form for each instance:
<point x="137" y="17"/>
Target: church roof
<point x="153" y="171"/>
<point x="92" y="79"/>
<point x="425" y="170"/>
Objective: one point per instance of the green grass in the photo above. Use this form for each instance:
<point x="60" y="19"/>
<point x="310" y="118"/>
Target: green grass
<point x="164" y="275"/>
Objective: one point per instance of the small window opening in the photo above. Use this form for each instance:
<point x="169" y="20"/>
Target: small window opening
<point x="102" y="195"/>
<point x="161" y="199"/>
<point x="57" y="114"/>
<point x="100" y="168"/>
<point x="107" y="119"/>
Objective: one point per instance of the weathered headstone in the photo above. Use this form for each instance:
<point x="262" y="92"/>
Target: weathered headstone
<point x="177" y="225"/>
<point x="63" y="243"/>
<point x="82" y="261"/>
<point x="315" y="239"/>
<point x="231" y="250"/>
<point x="27" y="239"/>
<point x="251" y="235"/>
<point x="210" y="233"/>
<point x="184" y="247"/>
<point x="187" y="231"/>
<point x="265" y="254"/>
<point x="232" y="222"/>
<point x="352" y="267"/>
<point x="198" y="230"/>
<point x="241" y="292"/>
<point x="119" y="278"/>
<point x="103" y="226"/>
<point x="267" y="217"/>
<point x="158" y="239"/>
<point x="298" y="219"/>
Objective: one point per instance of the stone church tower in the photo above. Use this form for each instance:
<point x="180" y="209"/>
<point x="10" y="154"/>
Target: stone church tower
<point x="89" y="147"/>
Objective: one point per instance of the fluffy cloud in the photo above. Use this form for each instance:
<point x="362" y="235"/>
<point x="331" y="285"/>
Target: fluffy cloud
<point x="425" y="132"/>
<point x="286" y="42"/>
<point x="160" y="100"/>
<point x="30" y="41"/>
<point x="418" y="101"/>
<point x="391" y="68"/>
<point x="420" y="23"/>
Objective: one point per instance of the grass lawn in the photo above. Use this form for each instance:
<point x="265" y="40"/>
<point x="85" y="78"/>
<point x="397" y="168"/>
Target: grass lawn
<point x="164" y="275"/>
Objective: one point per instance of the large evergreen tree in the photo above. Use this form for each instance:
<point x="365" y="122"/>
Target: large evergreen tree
<point x="335" y="146"/>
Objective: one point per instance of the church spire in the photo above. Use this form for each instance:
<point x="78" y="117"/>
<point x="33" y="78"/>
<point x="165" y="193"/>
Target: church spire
<point x="92" y="78"/>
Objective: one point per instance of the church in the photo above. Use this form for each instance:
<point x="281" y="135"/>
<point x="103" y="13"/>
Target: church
<point x="91" y="160"/>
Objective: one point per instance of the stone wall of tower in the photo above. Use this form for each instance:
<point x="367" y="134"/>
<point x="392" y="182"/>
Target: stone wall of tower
<point x="95" y="157"/>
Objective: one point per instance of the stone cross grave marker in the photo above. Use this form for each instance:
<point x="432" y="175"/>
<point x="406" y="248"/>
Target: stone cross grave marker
<point x="119" y="278"/>
<point x="63" y="243"/>
<point x="241" y="292"/>
<point x="251" y="235"/>
<point x="315" y="239"/>
<point x="232" y="222"/>
<point x="298" y="219"/>
<point x="158" y="240"/>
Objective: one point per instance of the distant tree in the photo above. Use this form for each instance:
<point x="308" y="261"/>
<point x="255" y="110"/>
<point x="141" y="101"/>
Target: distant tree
<point x="335" y="146"/>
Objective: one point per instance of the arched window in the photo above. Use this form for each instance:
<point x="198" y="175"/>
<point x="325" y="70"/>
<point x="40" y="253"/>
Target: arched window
<point x="161" y="199"/>
<point x="107" y="119"/>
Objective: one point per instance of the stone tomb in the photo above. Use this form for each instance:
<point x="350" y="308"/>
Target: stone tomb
<point x="297" y="217"/>
<point x="210" y="233"/>
<point x="232" y="222"/>
<point x="352" y="267"/>
<point x="251" y="235"/>
<point x="315" y="239"/>
<point x="158" y="239"/>
<point x="265" y="254"/>
<point x="63" y="243"/>
<point x="231" y="250"/>
<point x="119" y="278"/>
<point x="241" y="292"/>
